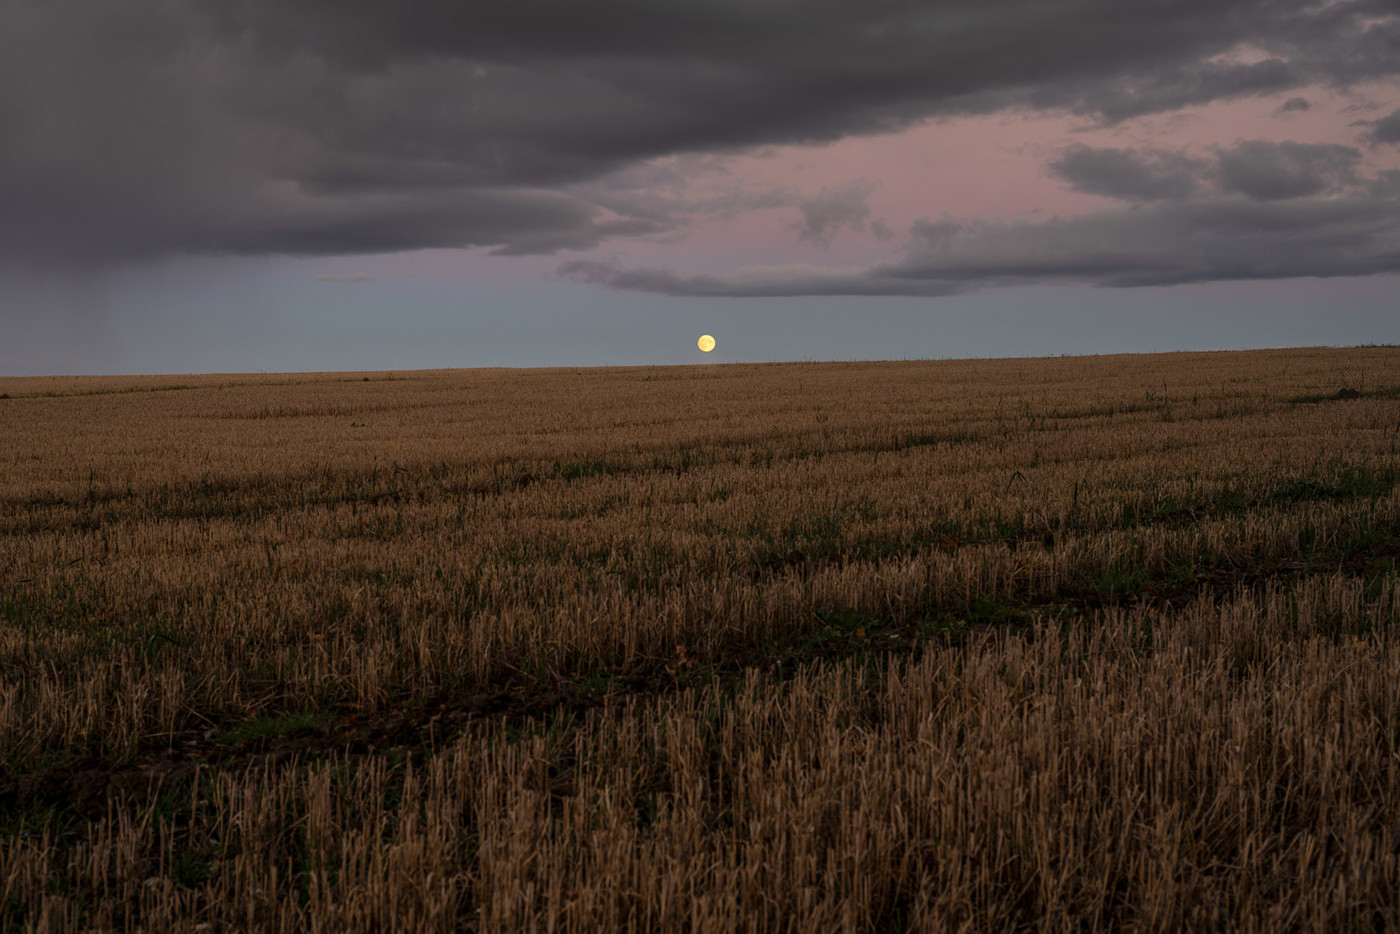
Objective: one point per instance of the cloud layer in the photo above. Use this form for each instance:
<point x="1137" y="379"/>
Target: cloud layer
<point x="1258" y="210"/>
<point x="155" y="127"/>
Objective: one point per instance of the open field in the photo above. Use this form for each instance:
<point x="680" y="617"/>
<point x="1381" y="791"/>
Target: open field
<point x="1080" y="643"/>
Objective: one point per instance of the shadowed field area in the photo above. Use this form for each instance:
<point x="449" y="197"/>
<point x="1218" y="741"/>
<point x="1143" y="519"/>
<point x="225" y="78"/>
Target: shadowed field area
<point x="1090" y="643"/>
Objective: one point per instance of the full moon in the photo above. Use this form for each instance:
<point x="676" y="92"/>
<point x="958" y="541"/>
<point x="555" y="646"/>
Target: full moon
<point x="706" y="343"/>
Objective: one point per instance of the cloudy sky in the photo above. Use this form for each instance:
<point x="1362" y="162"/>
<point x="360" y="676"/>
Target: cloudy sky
<point x="192" y="185"/>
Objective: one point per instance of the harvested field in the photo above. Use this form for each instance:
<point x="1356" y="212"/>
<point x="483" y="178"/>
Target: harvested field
<point x="1077" y="643"/>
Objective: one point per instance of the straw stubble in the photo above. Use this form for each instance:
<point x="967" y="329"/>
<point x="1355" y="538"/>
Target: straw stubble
<point x="1089" y="643"/>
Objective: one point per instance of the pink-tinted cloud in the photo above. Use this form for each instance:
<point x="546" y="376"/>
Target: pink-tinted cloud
<point x="1026" y="168"/>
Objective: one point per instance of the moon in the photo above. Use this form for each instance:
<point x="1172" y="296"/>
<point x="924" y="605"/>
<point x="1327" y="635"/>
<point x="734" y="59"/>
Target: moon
<point x="706" y="343"/>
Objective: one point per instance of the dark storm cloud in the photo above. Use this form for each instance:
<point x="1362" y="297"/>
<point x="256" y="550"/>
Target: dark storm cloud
<point x="150" y="127"/>
<point x="1182" y="86"/>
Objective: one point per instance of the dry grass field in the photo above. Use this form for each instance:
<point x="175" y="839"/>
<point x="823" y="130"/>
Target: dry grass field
<point x="1100" y="643"/>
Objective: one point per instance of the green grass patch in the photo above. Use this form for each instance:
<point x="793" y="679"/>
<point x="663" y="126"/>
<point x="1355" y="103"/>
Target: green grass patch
<point x="191" y="870"/>
<point x="268" y="728"/>
<point x="1352" y="483"/>
<point x="1346" y="393"/>
<point x="569" y="471"/>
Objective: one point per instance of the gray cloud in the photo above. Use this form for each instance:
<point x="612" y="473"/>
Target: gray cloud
<point x="1294" y="105"/>
<point x="675" y="194"/>
<point x="353" y="277"/>
<point x="1263" y="170"/>
<point x="1384" y="130"/>
<point x="1128" y="174"/>
<point x="789" y="281"/>
<point x="1269" y="171"/>
<point x="1167" y="243"/>
<point x="826" y="214"/>
<point x="155" y="127"/>
<point x="1386" y="185"/>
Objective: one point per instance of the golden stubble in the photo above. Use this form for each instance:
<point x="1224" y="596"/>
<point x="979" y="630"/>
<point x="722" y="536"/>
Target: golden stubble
<point x="1133" y="667"/>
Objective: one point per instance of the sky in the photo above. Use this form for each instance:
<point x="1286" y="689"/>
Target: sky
<point x="291" y="185"/>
